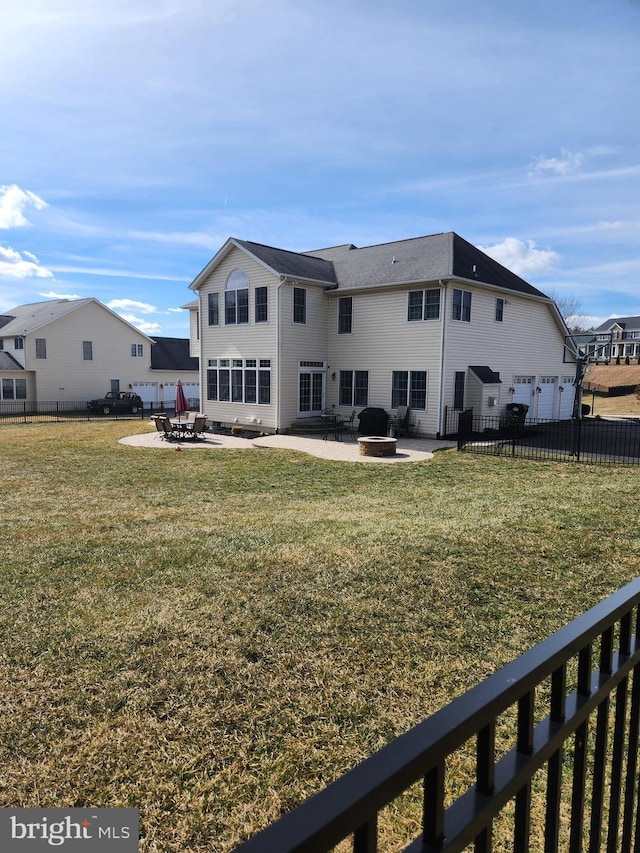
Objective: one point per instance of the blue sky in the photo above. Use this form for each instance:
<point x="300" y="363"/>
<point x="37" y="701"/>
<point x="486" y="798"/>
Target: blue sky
<point x="138" y="135"/>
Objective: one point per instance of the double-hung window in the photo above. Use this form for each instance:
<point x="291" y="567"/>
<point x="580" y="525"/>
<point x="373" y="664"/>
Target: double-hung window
<point x="137" y="350"/>
<point x="424" y="304"/>
<point x="409" y="388"/>
<point x="499" y="310"/>
<point x="299" y="305"/>
<point x="213" y="307"/>
<point x="41" y="347"/>
<point x="87" y="350"/>
<point x="345" y="315"/>
<point x="354" y="388"/>
<point x="236" y="298"/>
<point x="461" y="309"/>
<point x="260" y="306"/>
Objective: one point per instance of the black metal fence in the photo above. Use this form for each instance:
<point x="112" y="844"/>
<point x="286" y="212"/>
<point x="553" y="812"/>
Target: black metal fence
<point x="24" y="411"/>
<point x="565" y="773"/>
<point x="598" y="441"/>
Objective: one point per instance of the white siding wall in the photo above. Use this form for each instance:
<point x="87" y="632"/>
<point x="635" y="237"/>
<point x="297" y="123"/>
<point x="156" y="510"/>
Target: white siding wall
<point x="300" y="342"/>
<point x="65" y="375"/>
<point x="239" y="341"/>
<point x="527" y="342"/>
<point x="383" y="340"/>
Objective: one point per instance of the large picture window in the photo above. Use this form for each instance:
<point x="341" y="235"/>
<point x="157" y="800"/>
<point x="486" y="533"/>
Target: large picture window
<point x="409" y="388"/>
<point x="424" y="304"/>
<point x="239" y="380"/>
<point x="354" y="388"/>
<point x="345" y="315"/>
<point x="236" y="298"/>
<point x="461" y="309"/>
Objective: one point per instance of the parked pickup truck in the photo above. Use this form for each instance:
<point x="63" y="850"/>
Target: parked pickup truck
<point x="116" y="401"/>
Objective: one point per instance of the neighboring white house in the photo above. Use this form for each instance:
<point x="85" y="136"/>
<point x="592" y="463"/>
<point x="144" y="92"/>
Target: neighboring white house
<point x="432" y="323"/>
<point x="75" y="350"/>
<point x="625" y="340"/>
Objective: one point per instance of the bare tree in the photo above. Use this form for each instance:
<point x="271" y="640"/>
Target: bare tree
<point x="569" y="305"/>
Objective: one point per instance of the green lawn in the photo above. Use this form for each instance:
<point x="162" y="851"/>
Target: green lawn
<point x="212" y="636"/>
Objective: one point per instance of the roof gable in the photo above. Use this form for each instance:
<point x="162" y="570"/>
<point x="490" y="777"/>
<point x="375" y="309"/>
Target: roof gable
<point x="280" y="262"/>
<point x="622" y="322"/>
<point x="26" y="319"/>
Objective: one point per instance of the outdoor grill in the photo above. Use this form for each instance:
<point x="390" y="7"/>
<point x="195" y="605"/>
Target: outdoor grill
<point x="373" y="421"/>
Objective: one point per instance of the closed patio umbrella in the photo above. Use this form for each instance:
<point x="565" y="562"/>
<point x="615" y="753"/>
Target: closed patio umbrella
<point x="182" y="404"/>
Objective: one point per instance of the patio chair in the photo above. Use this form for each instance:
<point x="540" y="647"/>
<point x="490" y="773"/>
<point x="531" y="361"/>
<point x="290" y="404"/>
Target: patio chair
<point x="199" y="426"/>
<point x="351" y="425"/>
<point x="167" y="428"/>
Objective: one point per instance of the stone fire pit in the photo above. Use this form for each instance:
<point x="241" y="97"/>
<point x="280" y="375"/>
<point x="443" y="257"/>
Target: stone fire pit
<point x="377" y="445"/>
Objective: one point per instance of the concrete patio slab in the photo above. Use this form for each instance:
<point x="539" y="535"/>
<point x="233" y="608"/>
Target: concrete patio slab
<point x="408" y="449"/>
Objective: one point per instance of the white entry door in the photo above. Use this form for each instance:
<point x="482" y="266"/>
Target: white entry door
<point x="547" y="397"/>
<point x="310" y="393"/>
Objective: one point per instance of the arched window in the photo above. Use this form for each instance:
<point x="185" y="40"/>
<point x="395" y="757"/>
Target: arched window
<point x="236" y="298"/>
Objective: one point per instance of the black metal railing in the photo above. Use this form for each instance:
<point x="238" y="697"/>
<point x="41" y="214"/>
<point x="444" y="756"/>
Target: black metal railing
<point x="567" y="768"/>
<point x="599" y="441"/>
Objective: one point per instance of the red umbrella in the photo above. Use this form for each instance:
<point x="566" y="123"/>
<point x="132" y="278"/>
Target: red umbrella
<point x="182" y="404"/>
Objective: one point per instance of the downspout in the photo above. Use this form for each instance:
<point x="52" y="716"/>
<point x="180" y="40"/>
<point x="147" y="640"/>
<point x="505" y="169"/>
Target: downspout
<point x="443" y="285"/>
<point x="283" y="280"/>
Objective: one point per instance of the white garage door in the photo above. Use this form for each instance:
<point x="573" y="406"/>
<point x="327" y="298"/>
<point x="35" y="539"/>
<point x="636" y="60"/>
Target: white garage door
<point x="148" y="391"/>
<point x="547" y="397"/>
<point x="524" y="386"/>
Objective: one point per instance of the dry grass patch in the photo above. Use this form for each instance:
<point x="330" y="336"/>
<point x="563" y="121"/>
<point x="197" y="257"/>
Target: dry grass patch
<point x="213" y="636"/>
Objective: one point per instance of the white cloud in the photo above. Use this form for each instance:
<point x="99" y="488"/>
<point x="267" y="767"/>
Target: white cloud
<point x="14" y="265"/>
<point x="144" y="325"/>
<point x="13" y="202"/>
<point x="566" y="164"/>
<point x="53" y="295"/>
<point x="522" y="258"/>
<point x="131" y="305"/>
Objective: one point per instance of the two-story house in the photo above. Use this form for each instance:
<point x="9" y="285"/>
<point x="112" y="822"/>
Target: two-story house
<point x="625" y="339"/>
<point x="432" y="323"/>
<point x="77" y="349"/>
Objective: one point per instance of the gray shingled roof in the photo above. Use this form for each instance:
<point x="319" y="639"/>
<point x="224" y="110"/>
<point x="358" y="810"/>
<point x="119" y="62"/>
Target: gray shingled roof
<point x="8" y="362"/>
<point x="172" y="354"/>
<point x="26" y="318"/>
<point x="291" y="263"/>
<point x="421" y="259"/>
<point x="623" y="322"/>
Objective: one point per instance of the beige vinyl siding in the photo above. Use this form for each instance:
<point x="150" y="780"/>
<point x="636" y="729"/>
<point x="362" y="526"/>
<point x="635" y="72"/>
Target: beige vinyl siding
<point x="527" y="342"/>
<point x="300" y="342"/>
<point x="382" y="341"/>
<point x="243" y="340"/>
<point x="65" y="375"/>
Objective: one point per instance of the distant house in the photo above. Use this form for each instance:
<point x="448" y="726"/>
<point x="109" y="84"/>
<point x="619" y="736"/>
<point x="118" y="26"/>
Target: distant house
<point x="432" y="323"/>
<point x="625" y="341"/>
<point x="75" y="350"/>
